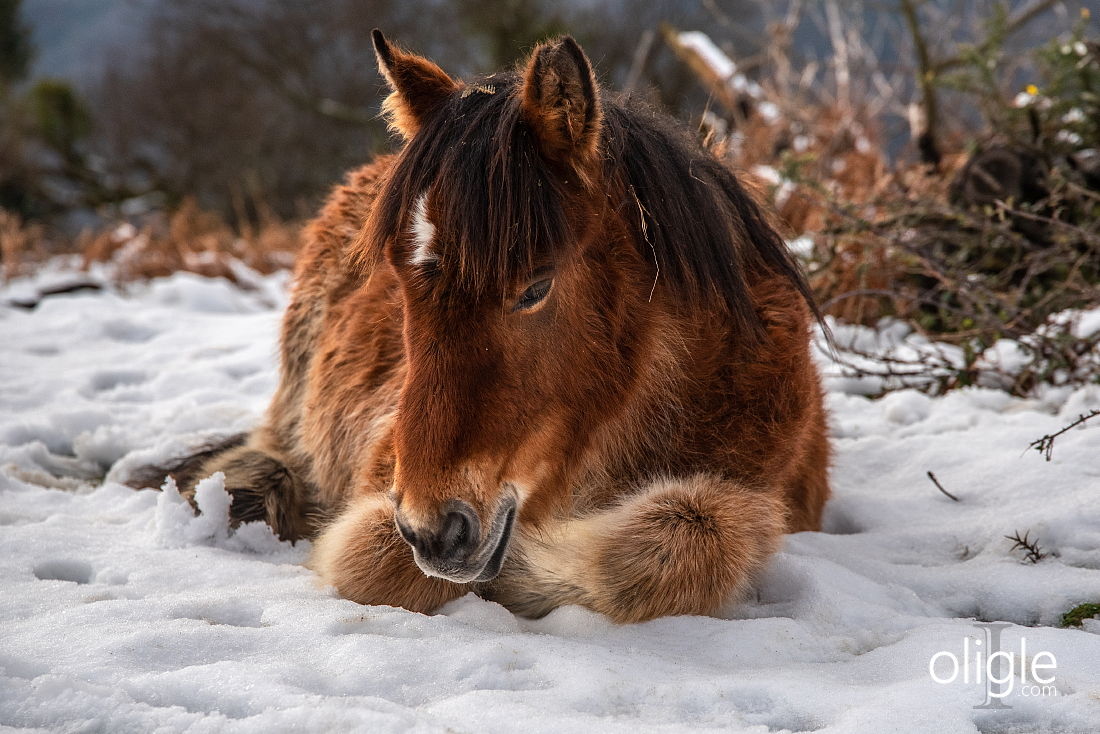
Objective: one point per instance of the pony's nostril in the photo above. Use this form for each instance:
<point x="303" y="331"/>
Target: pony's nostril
<point x="456" y="531"/>
<point x="452" y="540"/>
<point x="460" y="532"/>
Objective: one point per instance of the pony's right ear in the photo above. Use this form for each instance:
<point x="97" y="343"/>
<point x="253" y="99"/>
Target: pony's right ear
<point x="419" y="86"/>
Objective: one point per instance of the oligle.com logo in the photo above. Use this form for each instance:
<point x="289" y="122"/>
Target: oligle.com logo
<point x="982" y="661"/>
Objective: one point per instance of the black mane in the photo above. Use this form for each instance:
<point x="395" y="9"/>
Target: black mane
<point x="503" y="203"/>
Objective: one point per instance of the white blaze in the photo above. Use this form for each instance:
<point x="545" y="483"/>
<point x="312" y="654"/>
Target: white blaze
<point x="423" y="233"/>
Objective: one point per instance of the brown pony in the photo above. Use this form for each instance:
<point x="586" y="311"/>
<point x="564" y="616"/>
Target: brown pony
<point x="551" y="352"/>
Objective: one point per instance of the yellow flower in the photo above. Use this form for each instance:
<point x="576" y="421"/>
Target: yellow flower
<point x="1085" y="13"/>
<point x="1032" y="89"/>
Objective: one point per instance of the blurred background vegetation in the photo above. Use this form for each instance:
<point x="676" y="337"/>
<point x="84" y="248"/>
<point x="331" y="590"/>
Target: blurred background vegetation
<point x="934" y="161"/>
<point x="269" y="100"/>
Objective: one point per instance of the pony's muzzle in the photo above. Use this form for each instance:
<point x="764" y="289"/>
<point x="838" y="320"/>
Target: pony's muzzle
<point x="451" y="540"/>
<point x="454" y="548"/>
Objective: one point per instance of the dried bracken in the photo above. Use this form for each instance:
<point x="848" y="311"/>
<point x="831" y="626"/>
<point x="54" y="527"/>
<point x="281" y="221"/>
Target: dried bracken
<point x="20" y="243"/>
<point x="969" y="243"/>
<point x="190" y="239"/>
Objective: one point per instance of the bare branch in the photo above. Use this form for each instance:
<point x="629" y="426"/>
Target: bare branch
<point x="925" y="131"/>
<point x="1014" y="24"/>
<point x="1045" y="445"/>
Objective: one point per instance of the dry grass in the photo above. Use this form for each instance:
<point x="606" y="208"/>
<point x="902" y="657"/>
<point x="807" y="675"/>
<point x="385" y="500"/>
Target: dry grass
<point x="193" y="240"/>
<point x="187" y="239"/>
<point x="20" y="243"/>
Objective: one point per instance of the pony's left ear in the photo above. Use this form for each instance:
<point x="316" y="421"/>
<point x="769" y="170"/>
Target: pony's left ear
<point x="560" y="102"/>
<point x="418" y="85"/>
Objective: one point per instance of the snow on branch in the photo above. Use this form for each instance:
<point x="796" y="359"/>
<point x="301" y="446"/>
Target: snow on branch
<point x="718" y="72"/>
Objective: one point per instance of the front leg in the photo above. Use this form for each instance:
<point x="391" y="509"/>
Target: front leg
<point x="365" y="558"/>
<point x="264" y="488"/>
<point x="682" y="546"/>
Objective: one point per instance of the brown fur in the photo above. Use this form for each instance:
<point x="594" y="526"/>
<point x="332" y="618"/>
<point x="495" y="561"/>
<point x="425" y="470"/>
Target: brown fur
<point x="421" y="82"/>
<point x="657" y="418"/>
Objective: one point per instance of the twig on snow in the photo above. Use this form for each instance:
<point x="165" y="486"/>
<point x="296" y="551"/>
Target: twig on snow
<point x="1045" y="445"/>
<point x="1031" y="547"/>
<point x="940" y="487"/>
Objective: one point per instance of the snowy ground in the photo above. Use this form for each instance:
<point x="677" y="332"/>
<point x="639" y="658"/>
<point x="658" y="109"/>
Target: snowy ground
<point x="120" y="612"/>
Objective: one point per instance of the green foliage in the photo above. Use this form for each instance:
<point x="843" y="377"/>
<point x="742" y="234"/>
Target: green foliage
<point x="1061" y="111"/>
<point x="43" y="140"/>
<point x="1068" y="99"/>
<point x="59" y="118"/>
<point x="1074" y="617"/>
<point x="974" y="71"/>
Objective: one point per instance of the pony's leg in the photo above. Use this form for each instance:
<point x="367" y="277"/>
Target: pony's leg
<point x="365" y="558"/>
<point x="681" y="546"/>
<point x="264" y="488"/>
<point x="809" y="488"/>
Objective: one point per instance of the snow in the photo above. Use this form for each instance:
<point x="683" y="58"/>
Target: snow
<point x="725" y="69"/>
<point x="869" y="361"/>
<point x="783" y="188"/>
<point x="121" y="611"/>
<point x="714" y="57"/>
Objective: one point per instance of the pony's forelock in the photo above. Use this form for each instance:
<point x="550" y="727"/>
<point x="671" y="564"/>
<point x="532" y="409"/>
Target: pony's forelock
<point x="500" y="208"/>
<point x="496" y="208"/>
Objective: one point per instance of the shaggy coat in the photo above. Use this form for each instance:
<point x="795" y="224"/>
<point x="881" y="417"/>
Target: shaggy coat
<point x="551" y="352"/>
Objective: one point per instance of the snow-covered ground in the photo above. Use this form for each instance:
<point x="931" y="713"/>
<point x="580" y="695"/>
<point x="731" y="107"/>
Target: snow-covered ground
<point x="119" y="611"/>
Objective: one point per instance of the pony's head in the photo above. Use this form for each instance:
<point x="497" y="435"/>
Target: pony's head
<point x="545" y="239"/>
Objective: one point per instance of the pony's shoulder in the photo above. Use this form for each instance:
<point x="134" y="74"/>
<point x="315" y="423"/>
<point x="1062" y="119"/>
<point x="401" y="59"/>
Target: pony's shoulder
<point x="329" y="237"/>
<point x="349" y="203"/>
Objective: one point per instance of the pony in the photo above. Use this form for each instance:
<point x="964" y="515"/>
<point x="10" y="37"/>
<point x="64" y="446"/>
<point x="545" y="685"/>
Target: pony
<point x="551" y="352"/>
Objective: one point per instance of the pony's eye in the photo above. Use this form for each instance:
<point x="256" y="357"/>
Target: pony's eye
<point x="533" y="295"/>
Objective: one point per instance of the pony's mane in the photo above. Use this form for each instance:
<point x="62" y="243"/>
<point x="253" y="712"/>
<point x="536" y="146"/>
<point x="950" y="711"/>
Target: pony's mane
<point x="503" y="210"/>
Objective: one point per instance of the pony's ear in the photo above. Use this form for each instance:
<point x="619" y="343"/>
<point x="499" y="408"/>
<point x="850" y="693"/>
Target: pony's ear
<point x="418" y="85"/>
<point x="560" y="102"/>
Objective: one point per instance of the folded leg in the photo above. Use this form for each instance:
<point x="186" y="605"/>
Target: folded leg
<point x="681" y="546"/>
<point x="365" y="558"/>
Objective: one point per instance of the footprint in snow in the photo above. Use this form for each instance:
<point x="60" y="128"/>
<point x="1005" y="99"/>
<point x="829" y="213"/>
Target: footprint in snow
<point x="228" y="615"/>
<point x="106" y="380"/>
<point x="129" y="332"/>
<point x="72" y="570"/>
